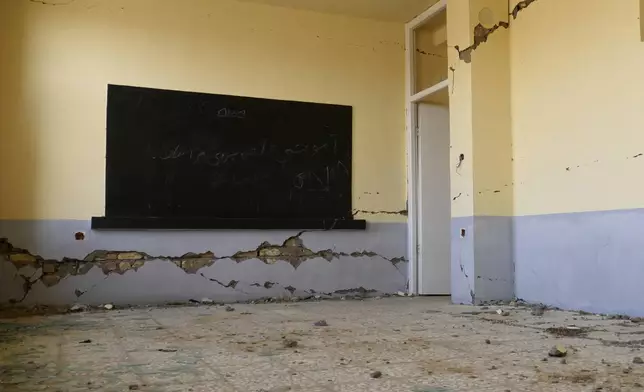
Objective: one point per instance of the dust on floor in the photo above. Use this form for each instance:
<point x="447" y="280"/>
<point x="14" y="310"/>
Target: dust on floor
<point x="391" y="344"/>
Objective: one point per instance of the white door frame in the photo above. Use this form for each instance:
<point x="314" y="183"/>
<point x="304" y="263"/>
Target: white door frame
<point x="411" y="127"/>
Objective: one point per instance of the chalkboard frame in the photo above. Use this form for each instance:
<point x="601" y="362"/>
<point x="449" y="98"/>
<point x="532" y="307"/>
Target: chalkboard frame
<point x="340" y="218"/>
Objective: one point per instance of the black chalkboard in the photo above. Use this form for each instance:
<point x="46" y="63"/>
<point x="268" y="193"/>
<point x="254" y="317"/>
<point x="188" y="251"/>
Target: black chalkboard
<point x="181" y="154"/>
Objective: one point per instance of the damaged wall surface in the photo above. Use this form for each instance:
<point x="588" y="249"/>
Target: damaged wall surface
<point x="42" y="264"/>
<point x="481" y="150"/>
<point x="59" y="56"/>
<point x="577" y="120"/>
<point x="547" y="113"/>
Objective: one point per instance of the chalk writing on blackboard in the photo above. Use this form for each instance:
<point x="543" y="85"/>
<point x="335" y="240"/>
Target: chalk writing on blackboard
<point x="230" y="113"/>
<point x="210" y="155"/>
<point x="220" y="158"/>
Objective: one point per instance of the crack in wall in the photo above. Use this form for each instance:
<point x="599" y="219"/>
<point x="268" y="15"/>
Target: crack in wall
<point x="367" y="212"/>
<point x="430" y="54"/>
<point x="453" y="71"/>
<point x="596" y="161"/>
<point x="467" y="277"/>
<point x="492" y="279"/>
<point x="43" y="2"/>
<point x="292" y="250"/>
<point x="520" y="7"/>
<point x="482" y="33"/>
<point x="361" y="291"/>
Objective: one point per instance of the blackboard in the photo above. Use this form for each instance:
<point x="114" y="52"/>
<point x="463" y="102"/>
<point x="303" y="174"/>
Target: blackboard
<point x="187" y="154"/>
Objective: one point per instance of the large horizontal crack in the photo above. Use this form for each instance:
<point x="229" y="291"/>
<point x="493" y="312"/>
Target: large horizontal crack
<point x="367" y="212"/>
<point x="292" y="250"/>
<point x="43" y="2"/>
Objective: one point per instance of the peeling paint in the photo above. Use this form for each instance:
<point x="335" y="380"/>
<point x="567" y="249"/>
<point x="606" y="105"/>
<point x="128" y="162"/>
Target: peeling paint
<point x="520" y="7"/>
<point x="34" y="268"/>
<point x="481" y="33"/>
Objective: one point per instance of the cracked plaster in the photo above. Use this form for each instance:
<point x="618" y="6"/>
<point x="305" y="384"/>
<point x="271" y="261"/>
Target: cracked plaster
<point x="33" y="269"/>
<point x="481" y="33"/>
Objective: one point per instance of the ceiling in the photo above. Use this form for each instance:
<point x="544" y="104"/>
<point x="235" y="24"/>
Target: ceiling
<point x="383" y="10"/>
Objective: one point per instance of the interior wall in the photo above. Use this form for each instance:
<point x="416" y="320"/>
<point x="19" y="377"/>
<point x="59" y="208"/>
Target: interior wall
<point x="577" y="98"/>
<point x="58" y="57"/>
<point x="481" y="151"/>
<point x="576" y="107"/>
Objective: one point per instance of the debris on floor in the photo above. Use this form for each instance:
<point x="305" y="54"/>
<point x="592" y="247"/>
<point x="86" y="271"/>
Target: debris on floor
<point x="78" y="308"/>
<point x="567" y="331"/>
<point x="290" y="343"/>
<point x="558" y="352"/>
<point x="410" y="344"/>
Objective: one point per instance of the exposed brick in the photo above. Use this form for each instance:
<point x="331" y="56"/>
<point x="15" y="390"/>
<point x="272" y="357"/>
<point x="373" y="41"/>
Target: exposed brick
<point x="97" y="255"/>
<point x="270" y="252"/>
<point x="241" y="256"/>
<point x="49" y="267"/>
<point x="138" y="264"/>
<point x="191" y="266"/>
<point x="125" y="266"/>
<point x="130" y="256"/>
<point x="22" y="258"/>
<point x="109" y="266"/>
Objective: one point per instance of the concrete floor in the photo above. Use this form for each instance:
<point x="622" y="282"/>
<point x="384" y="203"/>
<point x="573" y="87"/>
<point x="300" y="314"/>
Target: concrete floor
<point x="417" y="344"/>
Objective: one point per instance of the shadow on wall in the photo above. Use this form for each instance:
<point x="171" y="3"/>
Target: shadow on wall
<point x="18" y="150"/>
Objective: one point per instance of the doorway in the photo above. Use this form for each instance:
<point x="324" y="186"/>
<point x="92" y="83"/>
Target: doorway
<point x="434" y="205"/>
<point x="428" y="185"/>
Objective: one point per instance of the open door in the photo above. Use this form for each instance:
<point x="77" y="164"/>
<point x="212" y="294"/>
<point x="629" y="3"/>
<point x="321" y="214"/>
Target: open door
<point x="434" y="204"/>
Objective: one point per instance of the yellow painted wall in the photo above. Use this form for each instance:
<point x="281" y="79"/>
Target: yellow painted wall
<point x="577" y="69"/>
<point x="459" y="33"/>
<point x="491" y="101"/>
<point x="57" y="60"/>
<point x="480" y="126"/>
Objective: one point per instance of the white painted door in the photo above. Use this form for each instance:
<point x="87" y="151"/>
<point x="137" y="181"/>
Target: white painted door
<point x="433" y="200"/>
